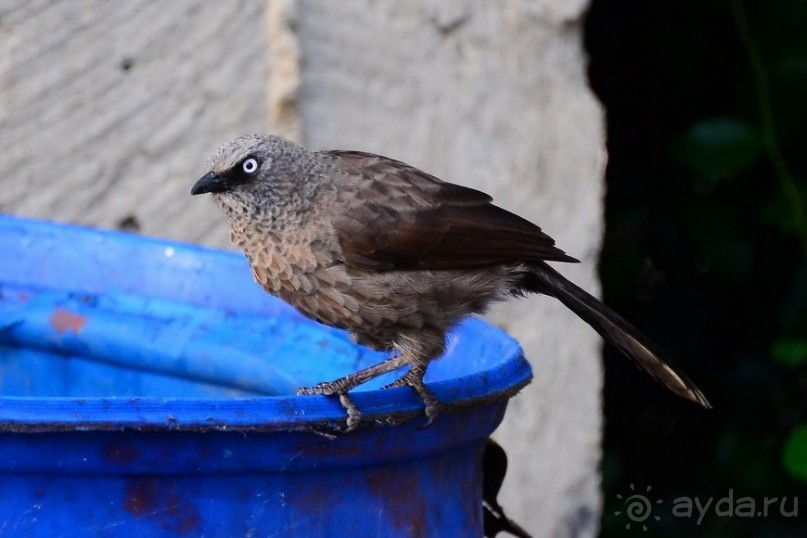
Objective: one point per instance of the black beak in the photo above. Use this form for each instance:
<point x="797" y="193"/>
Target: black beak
<point x="209" y="183"/>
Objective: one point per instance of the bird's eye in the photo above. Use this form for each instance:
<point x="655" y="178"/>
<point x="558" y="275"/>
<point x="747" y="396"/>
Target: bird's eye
<point x="250" y="165"/>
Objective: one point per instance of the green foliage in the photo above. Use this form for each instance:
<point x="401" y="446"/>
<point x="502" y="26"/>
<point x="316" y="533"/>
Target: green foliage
<point x="795" y="454"/>
<point x="719" y="148"/>
<point x="776" y="212"/>
<point x="790" y="352"/>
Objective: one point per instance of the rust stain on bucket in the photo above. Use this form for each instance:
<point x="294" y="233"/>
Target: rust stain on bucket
<point x="64" y="320"/>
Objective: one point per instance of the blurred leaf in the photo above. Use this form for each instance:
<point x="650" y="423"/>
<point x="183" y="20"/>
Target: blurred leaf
<point x="795" y="455"/>
<point x="790" y="351"/>
<point x="777" y="211"/>
<point x="718" y="148"/>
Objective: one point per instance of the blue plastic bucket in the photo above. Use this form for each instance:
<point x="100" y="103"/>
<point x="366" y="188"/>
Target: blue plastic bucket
<point x="147" y="389"/>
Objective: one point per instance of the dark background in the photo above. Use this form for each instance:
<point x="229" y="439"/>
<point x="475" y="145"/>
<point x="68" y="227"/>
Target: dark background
<point x="705" y="250"/>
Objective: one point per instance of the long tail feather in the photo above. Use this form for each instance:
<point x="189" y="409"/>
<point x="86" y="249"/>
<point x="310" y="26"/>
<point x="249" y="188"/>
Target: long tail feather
<point x="616" y="330"/>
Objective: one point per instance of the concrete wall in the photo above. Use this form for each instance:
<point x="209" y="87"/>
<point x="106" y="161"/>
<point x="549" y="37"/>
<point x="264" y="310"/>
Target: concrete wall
<point x="109" y="109"/>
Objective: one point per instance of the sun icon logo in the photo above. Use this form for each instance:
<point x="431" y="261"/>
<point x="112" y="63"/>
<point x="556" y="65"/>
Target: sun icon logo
<point x="638" y="507"/>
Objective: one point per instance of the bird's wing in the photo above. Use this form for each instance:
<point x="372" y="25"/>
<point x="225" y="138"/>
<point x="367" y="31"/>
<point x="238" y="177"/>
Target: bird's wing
<point x="397" y="217"/>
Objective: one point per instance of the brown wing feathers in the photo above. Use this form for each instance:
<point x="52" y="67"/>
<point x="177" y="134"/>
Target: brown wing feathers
<point x="410" y="219"/>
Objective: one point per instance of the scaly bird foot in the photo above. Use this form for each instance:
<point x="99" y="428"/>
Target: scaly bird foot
<point x="337" y="388"/>
<point x="340" y="387"/>
<point x="414" y="379"/>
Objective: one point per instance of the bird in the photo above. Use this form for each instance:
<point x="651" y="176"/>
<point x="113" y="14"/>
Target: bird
<point x="395" y="256"/>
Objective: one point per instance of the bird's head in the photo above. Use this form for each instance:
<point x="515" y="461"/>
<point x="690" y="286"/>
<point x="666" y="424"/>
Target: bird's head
<point x="260" y="171"/>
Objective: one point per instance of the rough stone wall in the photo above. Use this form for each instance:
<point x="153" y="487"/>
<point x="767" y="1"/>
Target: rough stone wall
<point x="108" y="110"/>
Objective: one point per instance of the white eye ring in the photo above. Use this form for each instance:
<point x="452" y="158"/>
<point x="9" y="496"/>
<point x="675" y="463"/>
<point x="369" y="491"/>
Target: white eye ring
<point x="250" y="166"/>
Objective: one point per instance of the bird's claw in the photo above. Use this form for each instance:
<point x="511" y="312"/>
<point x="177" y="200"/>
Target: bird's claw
<point x="414" y="379"/>
<point x="333" y="388"/>
<point x="328" y="388"/>
<point x="353" y="414"/>
<point x="340" y="387"/>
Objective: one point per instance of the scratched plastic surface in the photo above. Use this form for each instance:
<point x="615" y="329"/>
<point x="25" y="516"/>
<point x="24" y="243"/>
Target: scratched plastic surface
<point x="147" y="388"/>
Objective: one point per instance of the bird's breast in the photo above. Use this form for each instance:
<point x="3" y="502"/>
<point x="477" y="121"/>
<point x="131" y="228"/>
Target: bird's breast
<point x="280" y="265"/>
<point x="302" y="272"/>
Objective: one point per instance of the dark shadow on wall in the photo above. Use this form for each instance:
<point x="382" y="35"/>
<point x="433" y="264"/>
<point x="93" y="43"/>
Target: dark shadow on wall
<point x="706" y="251"/>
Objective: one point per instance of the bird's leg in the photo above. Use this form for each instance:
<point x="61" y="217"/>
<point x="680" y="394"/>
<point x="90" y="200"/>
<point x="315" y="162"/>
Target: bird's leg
<point x="351" y="381"/>
<point x="414" y="378"/>
<point x="418" y="350"/>
<point x="341" y="386"/>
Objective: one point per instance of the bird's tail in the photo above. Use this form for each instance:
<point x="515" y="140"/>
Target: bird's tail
<point x="616" y="330"/>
